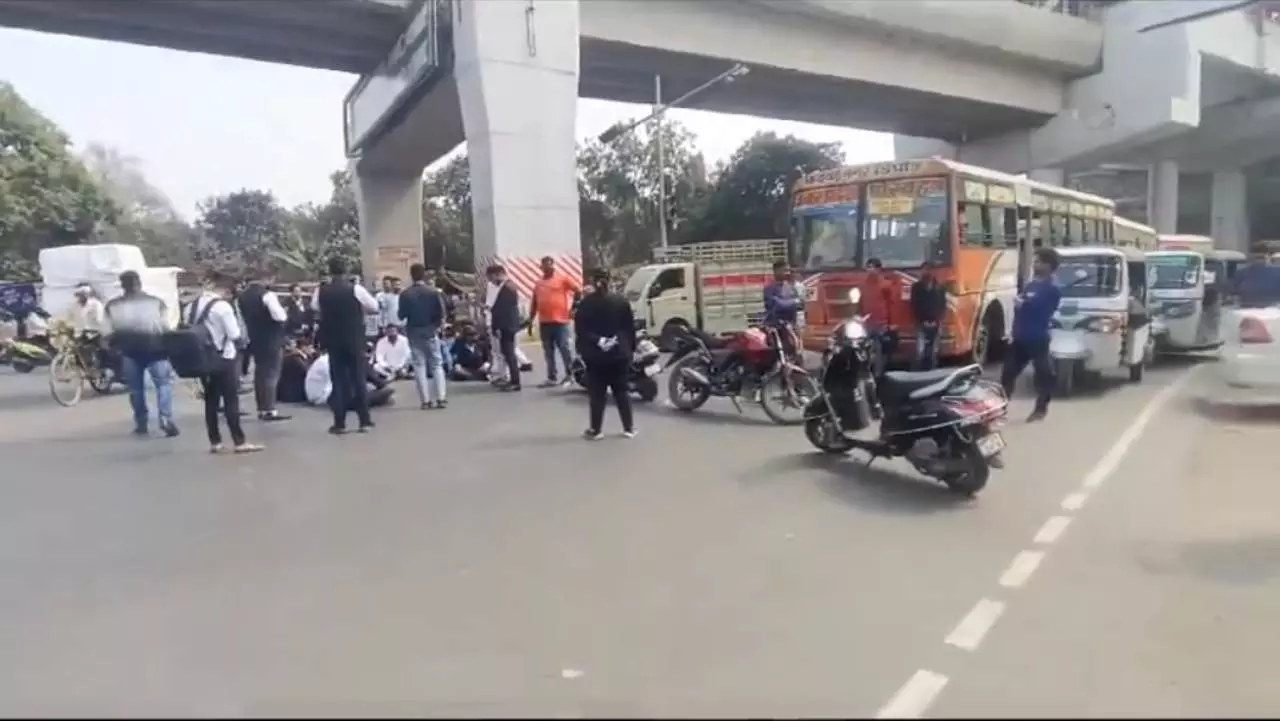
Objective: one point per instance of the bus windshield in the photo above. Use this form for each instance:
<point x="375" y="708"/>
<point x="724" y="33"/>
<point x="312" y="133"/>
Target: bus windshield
<point x="825" y="237"/>
<point x="906" y="222"/>
<point x="1173" y="272"/>
<point x="1088" y="276"/>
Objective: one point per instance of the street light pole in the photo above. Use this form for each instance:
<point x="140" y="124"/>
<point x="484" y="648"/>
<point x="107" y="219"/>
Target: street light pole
<point x="727" y="76"/>
<point x="662" y="162"/>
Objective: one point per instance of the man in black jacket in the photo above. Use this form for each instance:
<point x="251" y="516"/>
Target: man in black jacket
<point x="422" y="311"/>
<point x="343" y="307"/>
<point x="605" y="333"/>
<point x="265" y="320"/>
<point x="929" y="306"/>
<point x="505" y="322"/>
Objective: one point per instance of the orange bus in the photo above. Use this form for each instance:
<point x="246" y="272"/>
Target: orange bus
<point x="978" y="227"/>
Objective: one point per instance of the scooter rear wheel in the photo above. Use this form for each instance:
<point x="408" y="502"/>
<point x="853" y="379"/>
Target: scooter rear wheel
<point x="974" y="478"/>
<point x="823" y="434"/>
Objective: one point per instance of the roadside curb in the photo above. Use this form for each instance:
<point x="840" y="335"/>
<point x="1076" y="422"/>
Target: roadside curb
<point x="1237" y="406"/>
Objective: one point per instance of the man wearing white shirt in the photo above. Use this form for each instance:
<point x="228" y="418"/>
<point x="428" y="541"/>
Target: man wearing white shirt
<point x="389" y="303"/>
<point x="319" y="385"/>
<point x="264" y="318"/>
<point x="220" y="389"/>
<point x="391" y="354"/>
<point x="88" y="315"/>
<point x="342" y="307"/>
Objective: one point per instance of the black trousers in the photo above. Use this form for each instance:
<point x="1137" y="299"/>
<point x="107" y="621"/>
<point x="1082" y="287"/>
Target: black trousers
<point x="1017" y="356"/>
<point x="221" y="391"/>
<point x="268" y="356"/>
<point x="507" y="346"/>
<point x="603" y="379"/>
<point x="348" y="369"/>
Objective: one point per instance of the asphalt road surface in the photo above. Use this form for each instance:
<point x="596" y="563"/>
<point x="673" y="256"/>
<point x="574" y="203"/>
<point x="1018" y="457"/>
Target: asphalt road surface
<point x="485" y="561"/>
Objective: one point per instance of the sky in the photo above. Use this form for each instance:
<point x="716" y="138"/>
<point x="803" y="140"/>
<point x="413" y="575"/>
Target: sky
<point x="203" y="125"/>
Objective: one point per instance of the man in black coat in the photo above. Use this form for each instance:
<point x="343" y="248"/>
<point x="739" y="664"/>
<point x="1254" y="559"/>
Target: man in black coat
<point x="343" y="307"/>
<point x="929" y="306"/>
<point x="505" y="321"/>
<point x="605" y="333"/>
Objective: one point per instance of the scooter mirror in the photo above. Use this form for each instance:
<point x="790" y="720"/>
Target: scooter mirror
<point x="855" y="295"/>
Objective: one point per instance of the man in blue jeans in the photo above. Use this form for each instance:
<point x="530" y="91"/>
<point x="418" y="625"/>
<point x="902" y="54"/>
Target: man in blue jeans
<point x="421" y="308"/>
<point x="1033" y="312"/>
<point x="137" y="322"/>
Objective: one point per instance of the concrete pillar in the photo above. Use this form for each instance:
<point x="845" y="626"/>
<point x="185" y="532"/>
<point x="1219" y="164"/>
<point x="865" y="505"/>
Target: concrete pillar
<point x="390" y="206"/>
<point x="1162" y="197"/>
<point x="1229" y="214"/>
<point x="516" y="66"/>
<point x="1051" y="176"/>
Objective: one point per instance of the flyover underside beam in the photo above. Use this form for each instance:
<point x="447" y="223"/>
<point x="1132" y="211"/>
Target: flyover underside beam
<point x="1220" y="129"/>
<point x="174" y="28"/>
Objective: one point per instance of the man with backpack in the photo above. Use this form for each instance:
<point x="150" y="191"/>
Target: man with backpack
<point x="206" y="349"/>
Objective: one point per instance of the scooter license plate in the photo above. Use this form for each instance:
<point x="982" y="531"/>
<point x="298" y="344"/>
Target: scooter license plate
<point x="652" y="370"/>
<point x="990" y="444"/>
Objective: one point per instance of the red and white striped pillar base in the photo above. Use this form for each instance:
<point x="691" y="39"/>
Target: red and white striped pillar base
<point x="525" y="271"/>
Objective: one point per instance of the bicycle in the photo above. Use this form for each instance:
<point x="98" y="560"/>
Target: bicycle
<point x="75" y="363"/>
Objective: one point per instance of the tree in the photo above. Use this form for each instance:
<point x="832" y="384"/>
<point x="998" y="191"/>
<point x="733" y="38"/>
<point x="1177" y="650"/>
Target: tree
<point x="145" y="217"/>
<point x="751" y="195"/>
<point x="448" y="239"/>
<point x="619" y="186"/>
<point x="47" y="197"/>
<point x="243" y="231"/>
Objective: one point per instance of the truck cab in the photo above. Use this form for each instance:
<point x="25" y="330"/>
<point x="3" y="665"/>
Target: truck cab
<point x="716" y="287"/>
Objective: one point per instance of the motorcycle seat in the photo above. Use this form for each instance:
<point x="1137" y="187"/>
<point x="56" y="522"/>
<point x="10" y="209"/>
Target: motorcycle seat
<point x="923" y="384"/>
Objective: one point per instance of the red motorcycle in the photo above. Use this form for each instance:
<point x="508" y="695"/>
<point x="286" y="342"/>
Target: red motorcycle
<point x="760" y="363"/>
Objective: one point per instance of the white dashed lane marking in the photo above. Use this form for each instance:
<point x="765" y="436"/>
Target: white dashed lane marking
<point x="921" y="690"/>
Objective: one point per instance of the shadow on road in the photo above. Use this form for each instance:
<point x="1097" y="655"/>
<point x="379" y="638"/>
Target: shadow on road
<point x="714" y="416"/>
<point x="879" y="487"/>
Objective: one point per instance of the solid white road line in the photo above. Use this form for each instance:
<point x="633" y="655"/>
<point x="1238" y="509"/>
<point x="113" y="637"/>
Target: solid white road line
<point x="1052" y="530"/>
<point x="968" y="634"/>
<point x="915" y="696"/>
<point x="1109" y="462"/>
<point x="1074" y="501"/>
<point x="1019" y="571"/>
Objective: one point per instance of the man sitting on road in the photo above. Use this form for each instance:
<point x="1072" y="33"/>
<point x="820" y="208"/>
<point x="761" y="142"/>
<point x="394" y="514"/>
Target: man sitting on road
<point x="391" y="354"/>
<point x="319" y="385"/>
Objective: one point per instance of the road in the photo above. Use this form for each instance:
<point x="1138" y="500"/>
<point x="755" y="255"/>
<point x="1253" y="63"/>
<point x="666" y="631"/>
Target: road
<point x="485" y="561"/>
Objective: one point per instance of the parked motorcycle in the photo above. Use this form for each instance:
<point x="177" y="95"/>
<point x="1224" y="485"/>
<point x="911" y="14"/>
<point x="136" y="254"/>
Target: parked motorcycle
<point x="945" y="422"/>
<point x="751" y="363"/>
<point x="30" y="348"/>
<point x="642" y="374"/>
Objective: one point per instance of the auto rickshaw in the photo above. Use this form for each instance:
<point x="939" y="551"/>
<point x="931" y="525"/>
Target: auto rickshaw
<point x="1102" y="322"/>
<point x="1186" y="296"/>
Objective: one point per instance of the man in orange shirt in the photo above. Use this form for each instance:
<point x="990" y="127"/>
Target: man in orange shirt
<point x="553" y="298"/>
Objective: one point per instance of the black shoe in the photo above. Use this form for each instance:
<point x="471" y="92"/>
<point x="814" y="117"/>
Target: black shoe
<point x="337" y="430"/>
<point x="510" y="387"/>
<point x="366" y="427"/>
<point x="141" y="431"/>
<point x="591" y="434"/>
<point x="170" y="429"/>
<point x="273" y="416"/>
<point x="1037" y="415"/>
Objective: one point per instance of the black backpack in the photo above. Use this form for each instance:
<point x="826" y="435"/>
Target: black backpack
<point x="190" y="349"/>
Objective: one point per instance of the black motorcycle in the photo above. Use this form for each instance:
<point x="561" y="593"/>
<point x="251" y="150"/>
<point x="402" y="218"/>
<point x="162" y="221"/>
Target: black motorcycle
<point x="642" y="373"/>
<point x="944" y="422"/>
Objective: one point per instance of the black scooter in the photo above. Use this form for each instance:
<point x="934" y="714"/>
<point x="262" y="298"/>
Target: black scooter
<point x="944" y="422"/>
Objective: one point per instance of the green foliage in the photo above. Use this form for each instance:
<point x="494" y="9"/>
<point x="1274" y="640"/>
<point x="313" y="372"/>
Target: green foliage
<point x="47" y="197"/>
<point x="447" y="236"/>
<point x="751" y="196"/>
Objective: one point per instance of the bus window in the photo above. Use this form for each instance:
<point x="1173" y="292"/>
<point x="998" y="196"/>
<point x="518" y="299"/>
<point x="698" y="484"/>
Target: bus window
<point x="1039" y="229"/>
<point x="973" y="223"/>
<point x="997" y="227"/>
<point x="1075" y="231"/>
<point x="906" y="234"/>
<point x="825" y="238"/>
<point x="1058" y="229"/>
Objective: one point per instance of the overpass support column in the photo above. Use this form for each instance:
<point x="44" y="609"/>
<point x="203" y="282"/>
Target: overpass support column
<point x="516" y="66"/>
<point x="1162" y="197"/>
<point x="390" y="207"/>
<point x="1051" y="176"/>
<point x="1229" y="212"/>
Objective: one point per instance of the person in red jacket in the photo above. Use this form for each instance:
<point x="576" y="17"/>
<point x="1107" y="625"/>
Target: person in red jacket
<point x="876" y="304"/>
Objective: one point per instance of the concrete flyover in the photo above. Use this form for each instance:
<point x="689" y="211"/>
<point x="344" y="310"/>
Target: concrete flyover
<point x="346" y="35"/>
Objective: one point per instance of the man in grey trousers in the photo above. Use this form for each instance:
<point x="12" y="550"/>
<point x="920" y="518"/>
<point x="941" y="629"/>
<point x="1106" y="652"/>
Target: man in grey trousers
<point x="422" y="309"/>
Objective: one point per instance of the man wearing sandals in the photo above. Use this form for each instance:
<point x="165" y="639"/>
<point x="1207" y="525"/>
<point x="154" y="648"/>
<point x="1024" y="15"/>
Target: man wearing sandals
<point x="220" y="389"/>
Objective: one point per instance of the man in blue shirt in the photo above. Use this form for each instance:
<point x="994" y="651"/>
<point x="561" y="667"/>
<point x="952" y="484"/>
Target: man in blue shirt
<point x="782" y="305"/>
<point x="1033" y="311"/>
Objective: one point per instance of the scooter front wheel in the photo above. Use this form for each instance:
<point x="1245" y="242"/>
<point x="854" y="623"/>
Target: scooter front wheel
<point x="824" y="435"/>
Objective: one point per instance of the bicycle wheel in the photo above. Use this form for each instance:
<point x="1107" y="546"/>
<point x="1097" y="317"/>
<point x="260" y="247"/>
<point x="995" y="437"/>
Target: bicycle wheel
<point x="66" y="379"/>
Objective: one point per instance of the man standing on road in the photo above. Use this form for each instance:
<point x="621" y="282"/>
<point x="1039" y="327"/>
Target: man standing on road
<point x="1033" y="311"/>
<point x="929" y="306"/>
<point x="505" y="322"/>
<point x="137" y="322"/>
<point x="264" y="319"/>
<point x="343" y="307"/>
<point x="877" y="299"/>
<point x="422" y="310"/>
<point x="605" y="332"/>
<point x="553" y="298"/>
<point x="388" y="303"/>
<point x="220" y="389"/>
